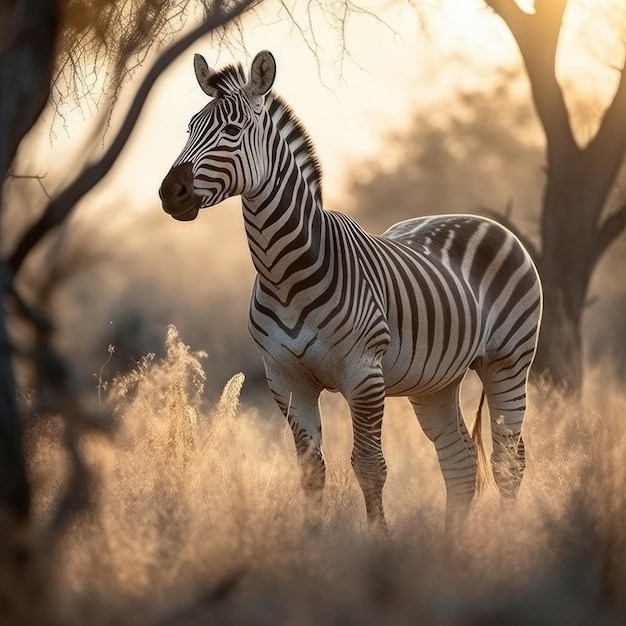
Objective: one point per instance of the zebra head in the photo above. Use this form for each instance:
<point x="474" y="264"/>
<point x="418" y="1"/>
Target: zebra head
<point x="224" y="154"/>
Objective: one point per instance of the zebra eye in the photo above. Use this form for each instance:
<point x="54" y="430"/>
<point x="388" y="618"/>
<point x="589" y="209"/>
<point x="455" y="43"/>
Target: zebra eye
<point x="231" y="130"/>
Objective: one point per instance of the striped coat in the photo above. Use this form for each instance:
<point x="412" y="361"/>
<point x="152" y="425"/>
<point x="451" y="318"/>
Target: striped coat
<point x="333" y="307"/>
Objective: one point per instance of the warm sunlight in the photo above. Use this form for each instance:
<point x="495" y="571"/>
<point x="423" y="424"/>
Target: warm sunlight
<point x="338" y="337"/>
<point x="349" y="105"/>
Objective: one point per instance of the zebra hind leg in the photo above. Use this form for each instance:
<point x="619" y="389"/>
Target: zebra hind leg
<point x="440" y="417"/>
<point x="504" y="381"/>
<point x="508" y="459"/>
<point x="367" y="404"/>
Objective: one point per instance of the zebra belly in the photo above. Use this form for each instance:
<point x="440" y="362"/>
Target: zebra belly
<point x="432" y="345"/>
<point x="420" y="380"/>
<point x="437" y="327"/>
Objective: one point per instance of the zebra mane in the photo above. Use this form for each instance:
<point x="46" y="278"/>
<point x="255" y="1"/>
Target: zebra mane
<point x="294" y="133"/>
<point x="232" y="78"/>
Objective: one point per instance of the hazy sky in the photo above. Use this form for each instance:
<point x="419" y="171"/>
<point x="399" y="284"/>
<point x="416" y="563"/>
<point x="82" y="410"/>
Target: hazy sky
<point x="409" y="62"/>
<point x="347" y="110"/>
<point x="401" y="59"/>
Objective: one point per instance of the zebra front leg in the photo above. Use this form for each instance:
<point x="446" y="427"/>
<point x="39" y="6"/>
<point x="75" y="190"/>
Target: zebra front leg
<point x="303" y="416"/>
<point x="442" y="422"/>
<point x="367" y="403"/>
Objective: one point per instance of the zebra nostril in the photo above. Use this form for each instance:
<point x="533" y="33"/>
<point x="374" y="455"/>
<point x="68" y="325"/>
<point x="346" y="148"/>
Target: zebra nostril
<point x="182" y="191"/>
<point x="176" y="191"/>
<point x="177" y="194"/>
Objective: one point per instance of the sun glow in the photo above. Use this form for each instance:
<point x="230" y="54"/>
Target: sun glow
<point x="350" y="93"/>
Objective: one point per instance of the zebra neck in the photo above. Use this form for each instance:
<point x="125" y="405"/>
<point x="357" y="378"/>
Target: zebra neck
<point x="284" y="225"/>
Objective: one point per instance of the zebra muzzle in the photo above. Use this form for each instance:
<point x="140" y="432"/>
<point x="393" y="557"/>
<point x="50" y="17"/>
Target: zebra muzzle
<point x="176" y="193"/>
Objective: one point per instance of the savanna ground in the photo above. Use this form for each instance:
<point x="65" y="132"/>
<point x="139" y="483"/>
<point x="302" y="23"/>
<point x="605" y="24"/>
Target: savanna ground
<point x="195" y="516"/>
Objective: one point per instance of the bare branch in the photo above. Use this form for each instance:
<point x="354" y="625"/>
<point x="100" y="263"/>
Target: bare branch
<point x="60" y="208"/>
<point x="608" y="146"/>
<point x="28" y="312"/>
<point x="38" y="177"/>
<point x="537" y="37"/>
<point x="612" y="227"/>
<point x="101" y="42"/>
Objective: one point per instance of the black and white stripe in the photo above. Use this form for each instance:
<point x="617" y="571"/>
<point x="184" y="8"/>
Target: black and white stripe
<point x="333" y="307"/>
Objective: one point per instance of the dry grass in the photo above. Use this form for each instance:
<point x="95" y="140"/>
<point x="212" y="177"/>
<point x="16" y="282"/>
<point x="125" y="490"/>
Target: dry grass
<point x="197" y="518"/>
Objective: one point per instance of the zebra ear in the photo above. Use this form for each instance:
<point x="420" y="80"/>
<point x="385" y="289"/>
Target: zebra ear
<point x="203" y="73"/>
<point x="262" y="74"/>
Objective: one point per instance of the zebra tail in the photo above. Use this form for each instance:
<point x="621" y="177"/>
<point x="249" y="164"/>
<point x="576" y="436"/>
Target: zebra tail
<point x="481" y="458"/>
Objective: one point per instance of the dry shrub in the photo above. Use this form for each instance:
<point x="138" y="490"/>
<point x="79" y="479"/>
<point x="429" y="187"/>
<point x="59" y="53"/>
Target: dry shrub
<point x="197" y="517"/>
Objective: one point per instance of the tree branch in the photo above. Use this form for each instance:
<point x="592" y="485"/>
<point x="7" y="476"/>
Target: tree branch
<point x="524" y="27"/>
<point x="612" y="227"/>
<point x="25" y="72"/>
<point x="537" y="35"/>
<point x="608" y="146"/>
<point x="59" y="209"/>
<point x="38" y="177"/>
<point x="511" y="13"/>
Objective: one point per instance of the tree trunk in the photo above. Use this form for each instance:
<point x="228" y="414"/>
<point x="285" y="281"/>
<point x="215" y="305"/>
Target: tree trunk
<point x="574" y="235"/>
<point x="14" y="491"/>
<point x="559" y="354"/>
<point x="573" y="200"/>
<point x="26" y="57"/>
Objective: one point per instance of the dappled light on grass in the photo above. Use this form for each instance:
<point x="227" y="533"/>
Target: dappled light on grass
<point x="197" y="515"/>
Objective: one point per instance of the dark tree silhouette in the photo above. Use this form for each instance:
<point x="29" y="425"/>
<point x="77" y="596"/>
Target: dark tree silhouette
<point x="26" y="66"/>
<point x="577" y="222"/>
<point x="44" y="47"/>
<point x="82" y="52"/>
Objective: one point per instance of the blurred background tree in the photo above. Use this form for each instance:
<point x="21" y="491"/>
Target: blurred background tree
<point x="563" y="200"/>
<point x="580" y="217"/>
<point x="482" y="151"/>
<point x="51" y="51"/>
<point x="476" y="150"/>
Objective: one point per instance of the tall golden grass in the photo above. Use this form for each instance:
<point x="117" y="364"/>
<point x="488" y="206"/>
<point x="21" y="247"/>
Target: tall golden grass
<point x="196" y="516"/>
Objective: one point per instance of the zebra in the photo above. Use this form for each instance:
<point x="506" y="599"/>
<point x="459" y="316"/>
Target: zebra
<point x="406" y="313"/>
